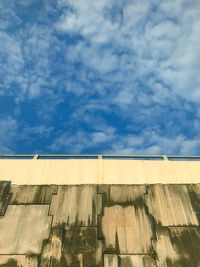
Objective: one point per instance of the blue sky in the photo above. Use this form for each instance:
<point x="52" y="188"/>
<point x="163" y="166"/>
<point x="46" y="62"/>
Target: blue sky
<point x="100" y="77"/>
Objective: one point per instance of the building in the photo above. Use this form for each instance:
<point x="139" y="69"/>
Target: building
<point x="93" y="211"/>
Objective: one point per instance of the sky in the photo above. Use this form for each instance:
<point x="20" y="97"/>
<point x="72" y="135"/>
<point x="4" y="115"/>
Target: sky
<point x="100" y="77"/>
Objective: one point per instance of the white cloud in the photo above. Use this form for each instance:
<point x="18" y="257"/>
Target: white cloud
<point x="121" y="41"/>
<point x="148" y="143"/>
<point x="160" y="39"/>
<point x="25" y="66"/>
<point x="11" y="58"/>
<point x="151" y="143"/>
<point x="134" y="59"/>
<point x="80" y="140"/>
<point x="8" y="130"/>
<point x="124" y="97"/>
<point x="37" y="131"/>
<point x="6" y="151"/>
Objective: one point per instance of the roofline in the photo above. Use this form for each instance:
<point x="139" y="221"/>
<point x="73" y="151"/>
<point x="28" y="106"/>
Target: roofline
<point x="71" y="156"/>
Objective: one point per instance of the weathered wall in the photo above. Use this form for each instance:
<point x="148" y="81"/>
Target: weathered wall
<point x="99" y="213"/>
<point x="99" y="225"/>
<point x="99" y="171"/>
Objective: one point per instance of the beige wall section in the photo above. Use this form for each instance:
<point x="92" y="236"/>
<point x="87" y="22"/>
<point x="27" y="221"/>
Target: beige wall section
<point x="98" y="171"/>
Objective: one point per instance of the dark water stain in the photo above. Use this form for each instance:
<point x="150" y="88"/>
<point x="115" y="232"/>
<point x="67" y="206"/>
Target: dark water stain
<point x="10" y="263"/>
<point x="4" y="196"/>
<point x="188" y="247"/>
<point x="195" y="201"/>
<point x="170" y="263"/>
<point x="125" y="262"/>
<point x="76" y="241"/>
<point x="41" y="194"/>
<point x="44" y="194"/>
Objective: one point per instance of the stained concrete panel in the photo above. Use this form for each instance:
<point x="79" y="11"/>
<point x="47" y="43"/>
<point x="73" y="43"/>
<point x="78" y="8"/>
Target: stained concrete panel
<point x="75" y="205"/>
<point x="4" y="196"/>
<point x="18" y="261"/>
<point x="100" y="225"/>
<point x="23" y="228"/>
<point x="165" y="250"/>
<point x="171" y="205"/>
<point x="186" y="241"/>
<point x="32" y="194"/>
<point x="136" y="261"/>
<point x="110" y="260"/>
<point x="122" y="194"/>
<point x="126" y="229"/>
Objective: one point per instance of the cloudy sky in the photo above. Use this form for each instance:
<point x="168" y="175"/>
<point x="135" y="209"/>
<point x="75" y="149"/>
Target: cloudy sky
<point x="100" y="77"/>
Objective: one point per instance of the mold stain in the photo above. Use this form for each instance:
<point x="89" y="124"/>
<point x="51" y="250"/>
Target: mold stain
<point x="187" y="244"/>
<point x="10" y="263"/>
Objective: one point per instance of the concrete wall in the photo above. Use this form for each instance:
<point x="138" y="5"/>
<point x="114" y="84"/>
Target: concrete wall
<point x="98" y="171"/>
